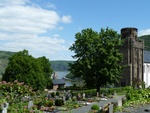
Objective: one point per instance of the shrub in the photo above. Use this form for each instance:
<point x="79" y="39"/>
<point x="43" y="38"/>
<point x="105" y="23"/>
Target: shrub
<point x="95" y="107"/>
<point x="48" y="103"/>
<point x="14" y="91"/>
<point x="59" y="102"/>
<point x="57" y="93"/>
<point x="53" y="94"/>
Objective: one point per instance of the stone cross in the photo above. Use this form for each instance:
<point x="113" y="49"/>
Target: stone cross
<point x="49" y="95"/>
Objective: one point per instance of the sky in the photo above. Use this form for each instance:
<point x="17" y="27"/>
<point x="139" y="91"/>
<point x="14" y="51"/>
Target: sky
<point x="48" y="27"/>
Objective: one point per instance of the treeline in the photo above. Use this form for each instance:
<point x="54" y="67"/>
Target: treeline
<point x="4" y="56"/>
<point x="146" y="39"/>
<point x="60" y="65"/>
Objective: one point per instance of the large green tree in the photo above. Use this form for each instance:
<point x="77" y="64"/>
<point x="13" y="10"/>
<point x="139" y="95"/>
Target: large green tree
<point x="35" y="72"/>
<point x="97" y="57"/>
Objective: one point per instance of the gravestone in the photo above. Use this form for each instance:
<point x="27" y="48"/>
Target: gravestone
<point x="57" y="97"/>
<point x="4" y="107"/>
<point x="102" y="95"/>
<point x="69" y="95"/>
<point x="119" y="102"/>
<point x="49" y="95"/>
<point x="97" y="94"/>
<point x="30" y="104"/>
<point x="115" y="93"/>
<point x="79" y="96"/>
<point x="89" y="95"/>
<point x="64" y="98"/>
<point x="83" y="95"/>
<point x="110" y="108"/>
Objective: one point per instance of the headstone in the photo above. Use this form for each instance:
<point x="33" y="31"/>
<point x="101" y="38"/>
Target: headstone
<point x="110" y="108"/>
<point x="97" y="94"/>
<point x="102" y="95"/>
<point x="83" y="95"/>
<point x="57" y="97"/>
<point x="30" y="104"/>
<point x="119" y="102"/>
<point x="4" y="107"/>
<point x="49" y="95"/>
<point x="69" y="95"/>
<point x="64" y="98"/>
<point x="79" y="96"/>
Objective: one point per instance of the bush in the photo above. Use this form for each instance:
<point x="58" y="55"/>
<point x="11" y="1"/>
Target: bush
<point x="53" y="94"/>
<point x="57" y="93"/>
<point x="59" y="102"/>
<point x="95" y="107"/>
<point x="15" y="91"/>
<point x="48" y="103"/>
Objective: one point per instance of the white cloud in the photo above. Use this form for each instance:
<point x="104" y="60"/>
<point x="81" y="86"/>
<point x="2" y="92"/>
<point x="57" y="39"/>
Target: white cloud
<point x="51" y="6"/>
<point x="27" y="19"/>
<point x="12" y="2"/>
<point x="67" y="19"/>
<point x="144" y="32"/>
<point x="24" y="26"/>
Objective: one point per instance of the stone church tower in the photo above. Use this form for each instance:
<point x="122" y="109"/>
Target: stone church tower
<point x="133" y="50"/>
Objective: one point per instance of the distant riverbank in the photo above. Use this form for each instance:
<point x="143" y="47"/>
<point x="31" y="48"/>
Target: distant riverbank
<point x="61" y="75"/>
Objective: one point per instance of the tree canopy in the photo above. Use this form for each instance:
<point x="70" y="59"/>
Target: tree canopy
<point x="97" y="57"/>
<point x="35" y="72"/>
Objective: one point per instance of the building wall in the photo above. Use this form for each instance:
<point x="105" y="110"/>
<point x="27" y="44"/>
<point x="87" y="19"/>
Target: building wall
<point x="147" y="74"/>
<point x="55" y="87"/>
<point x="133" y="50"/>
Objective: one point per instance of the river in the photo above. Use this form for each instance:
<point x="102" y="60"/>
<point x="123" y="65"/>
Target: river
<point x="61" y="74"/>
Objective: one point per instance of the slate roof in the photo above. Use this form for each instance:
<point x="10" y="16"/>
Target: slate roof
<point x="58" y="81"/>
<point x="146" y="56"/>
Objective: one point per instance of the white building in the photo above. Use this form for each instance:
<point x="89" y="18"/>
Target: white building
<point x="147" y="68"/>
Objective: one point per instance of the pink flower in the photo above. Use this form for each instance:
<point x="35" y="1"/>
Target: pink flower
<point x="16" y="81"/>
<point x="31" y="111"/>
<point x="21" y="83"/>
<point x="4" y="82"/>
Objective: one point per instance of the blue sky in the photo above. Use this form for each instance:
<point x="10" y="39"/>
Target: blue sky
<point x="47" y="27"/>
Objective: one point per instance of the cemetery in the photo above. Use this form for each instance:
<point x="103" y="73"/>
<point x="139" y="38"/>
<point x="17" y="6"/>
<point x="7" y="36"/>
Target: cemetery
<point x="19" y="98"/>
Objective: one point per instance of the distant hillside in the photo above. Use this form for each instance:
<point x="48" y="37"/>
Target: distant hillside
<point x="55" y="65"/>
<point x="146" y="39"/>
<point x="60" y="65"/>
<point x="4" y="56"/>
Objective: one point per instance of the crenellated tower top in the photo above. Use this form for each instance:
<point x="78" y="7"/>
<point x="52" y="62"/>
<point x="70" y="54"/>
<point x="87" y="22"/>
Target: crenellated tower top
<point x="129" y="32"/>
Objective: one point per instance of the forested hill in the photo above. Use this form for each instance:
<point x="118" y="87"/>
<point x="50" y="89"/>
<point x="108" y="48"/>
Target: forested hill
<point x="4" y="55"/>
<point x="60" y="65"/>
<point x="146" y="39"/>
<point x="55" y="65"/>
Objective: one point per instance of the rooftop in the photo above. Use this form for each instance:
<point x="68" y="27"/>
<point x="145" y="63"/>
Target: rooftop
<point x="146" y="56"/>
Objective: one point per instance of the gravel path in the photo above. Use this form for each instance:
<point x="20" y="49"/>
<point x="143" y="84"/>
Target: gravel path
<point x="86" y="109"/>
